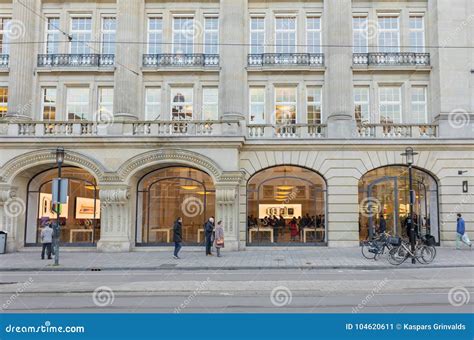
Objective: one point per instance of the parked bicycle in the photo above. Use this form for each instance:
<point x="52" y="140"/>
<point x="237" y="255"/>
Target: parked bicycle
<point x="374" y="249"/>
<point x="424" y="253"/>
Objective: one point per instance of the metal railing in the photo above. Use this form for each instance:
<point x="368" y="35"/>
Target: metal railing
<point x="180" y="60"/>
<point x="391" y="59"/>
<point x="76" y="60"/>
<point x="286" y="59"/>
<point x="4" y="60"/>
<point x="397" y="130"/>
<point x="294" y="131"/>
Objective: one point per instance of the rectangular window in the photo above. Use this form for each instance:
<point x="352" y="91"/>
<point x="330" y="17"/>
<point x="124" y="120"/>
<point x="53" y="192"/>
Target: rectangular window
<point x="390" y="104"/>
<point x="389" y="34"/>
<point x="285" y="35"/>
<point x="257" y="35"/>
<point x="285" y="105"/>
<point x="313" y="34"/>
<point x="155" y="35"/>
<point x="182" y="103"/>
<point x="48" y="103"/>
<point x="81" y="33"/>
<point x="53" y="36"/>
<point x="419" y="111"/>
<point x="183" y="35"/>
<point x="109" y="28"/>
<point x="211" y="35"/>
<point x="313" y="104"/>
<point x="3" y="101"/>
<point x="210" y="103"/>
<point x="417" y="34"/>
<point x="5" y="28"/>
<point x="362" y="104"/>
<point x="152" y="103"/>
<point x="78" y="103"/>
<point x="360" y="34"/>
<point x="257" y="105"/>
<point x="106" y="104"/>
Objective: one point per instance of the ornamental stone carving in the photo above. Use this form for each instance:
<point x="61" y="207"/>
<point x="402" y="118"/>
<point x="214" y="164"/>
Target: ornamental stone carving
<point x="116" y="195"/>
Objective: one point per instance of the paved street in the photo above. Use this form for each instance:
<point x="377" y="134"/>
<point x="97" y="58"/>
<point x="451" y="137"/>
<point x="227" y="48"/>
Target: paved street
<point x="315" y="291"/>
<point x="194" y="258"/>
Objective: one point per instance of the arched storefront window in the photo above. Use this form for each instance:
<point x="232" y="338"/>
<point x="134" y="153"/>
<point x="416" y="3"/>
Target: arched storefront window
<point x="80" y="217"/>
<point x="384" y="200"/>
<point x="286" y="205"/>
<point x="169" y="193"/>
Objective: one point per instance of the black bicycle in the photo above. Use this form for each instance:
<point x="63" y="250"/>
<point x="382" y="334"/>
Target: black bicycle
<point x="374" y="249"/>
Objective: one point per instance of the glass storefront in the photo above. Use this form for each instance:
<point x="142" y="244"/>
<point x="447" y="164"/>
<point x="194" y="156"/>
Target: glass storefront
<point x="384" y="200"/>
<point x="169" y="193"/>
<point x="80" y="217"/>
<point x="286" y="205"/>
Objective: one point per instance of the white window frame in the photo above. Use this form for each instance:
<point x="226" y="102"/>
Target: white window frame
<point x="288" y="31"/>
<point x="105" y="109"/>
<point x="157" y="46"/>
<point x="257" y="32"/>
<point x="258" y="120"/>
<point x="186" y="32"/>
<point x="108" y="31"/>
<point x="417" y="48"/>
<point x="156" y="104"/>
<point x="5" y="47"/>
<point x="4" y="104"/>
<point x="288" y="103"/>
<point x="311" y="48"/>
<point x="361" y="32"/>
<point x="319" y="103"/>
<point x="43" y="104"/>
<point x="85" y="42"/>
<point x="363" y="103"/>
<point x="214" y="104"/>
<point x="384" y="48"/>
<point x="52" y="32"/>
<point x="399" y="103"/>
<point x="211" y="47"/>
<point x="86" y="105"/>
<point x="424" y="103"/>
<point x="184" y="104"/>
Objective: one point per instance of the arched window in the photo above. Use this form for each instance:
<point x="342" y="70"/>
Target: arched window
<point x="286" y="205"/>
<point x="169" y="193"/>
<point x="384" y="202"/>
<point x="80" y="217"/>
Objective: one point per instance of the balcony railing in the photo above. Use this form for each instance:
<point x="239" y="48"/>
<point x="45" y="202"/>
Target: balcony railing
<point x="397" y="130"/>
<point x="177" y="128"/>
<point x="294" y="131"/>
<point x="180" y="60"/>
<point x="286" y="59"/>
<point x="4" y="59"/>
<point x="391" y="59"/>
<point x="76" y="60"/>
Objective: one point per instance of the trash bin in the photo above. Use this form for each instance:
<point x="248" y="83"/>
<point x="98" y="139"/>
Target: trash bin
<point x="3" y="242"/>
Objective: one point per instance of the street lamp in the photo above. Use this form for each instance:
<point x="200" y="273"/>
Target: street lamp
<point x="57" y="230"/>
<point x="409" y="154"/>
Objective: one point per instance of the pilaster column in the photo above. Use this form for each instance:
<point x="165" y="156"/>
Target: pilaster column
<point x="233" y="60"/>
<point x="128" y="59"/>
<point x="115" y="220"/>
<point x="11" y="208"/>
<point x="22" y="60"/>
<point x="338" y="24"/>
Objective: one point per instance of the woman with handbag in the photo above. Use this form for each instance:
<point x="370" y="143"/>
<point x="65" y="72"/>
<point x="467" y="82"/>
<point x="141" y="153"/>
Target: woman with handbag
<point x="219" y="238"/>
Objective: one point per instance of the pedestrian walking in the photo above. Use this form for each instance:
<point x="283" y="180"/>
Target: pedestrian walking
<point x="46" y="240"/>
<point x="219" y="238"/>
<point x="208" y="230"/>
<point x="177" y="237"/>
<point x="461" y="235"/>
<point x="382" y="224"/>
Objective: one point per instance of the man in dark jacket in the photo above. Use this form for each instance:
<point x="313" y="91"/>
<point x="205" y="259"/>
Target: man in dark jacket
<point x="208" y="229"/>
<point x="177" y="236"/>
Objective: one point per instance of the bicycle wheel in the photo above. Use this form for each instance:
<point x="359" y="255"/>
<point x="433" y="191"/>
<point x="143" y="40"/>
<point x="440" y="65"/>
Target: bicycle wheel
<point x="365" y="251"/>
<point x="428" y="254"/>
<point x="397" y="256"/>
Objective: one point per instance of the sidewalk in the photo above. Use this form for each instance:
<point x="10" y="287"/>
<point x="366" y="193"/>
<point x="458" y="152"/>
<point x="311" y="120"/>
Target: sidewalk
<point x="257" y="258"/>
